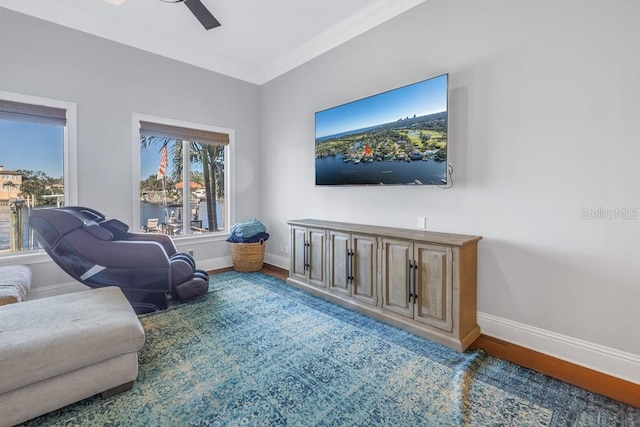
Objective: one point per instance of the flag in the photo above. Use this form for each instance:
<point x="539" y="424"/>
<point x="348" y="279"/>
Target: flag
<point x="163" y="163"/>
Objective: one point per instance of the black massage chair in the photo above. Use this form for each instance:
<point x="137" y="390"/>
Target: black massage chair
<point x="101" y="252"/>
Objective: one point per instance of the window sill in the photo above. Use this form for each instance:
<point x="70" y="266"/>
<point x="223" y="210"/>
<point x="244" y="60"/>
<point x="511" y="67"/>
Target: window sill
<point x="38" y="256"/>
<point x="201" y="238"/>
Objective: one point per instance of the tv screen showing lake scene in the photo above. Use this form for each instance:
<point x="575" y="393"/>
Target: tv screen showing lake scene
<point x="397" y="137"/>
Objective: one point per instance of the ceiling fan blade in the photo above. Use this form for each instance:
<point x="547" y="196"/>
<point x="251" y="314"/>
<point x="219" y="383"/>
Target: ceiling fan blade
<point x="205" y="17"/>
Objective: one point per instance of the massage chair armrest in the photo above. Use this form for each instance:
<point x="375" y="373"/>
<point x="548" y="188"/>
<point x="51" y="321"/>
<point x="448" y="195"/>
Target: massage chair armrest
<point x="162" y="239"/>
<point x="183" y="267"/>
<point x="117" y="228"/>
<point x="120" y="254"/>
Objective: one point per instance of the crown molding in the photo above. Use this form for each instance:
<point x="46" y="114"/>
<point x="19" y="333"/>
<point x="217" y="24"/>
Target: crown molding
<point x="374" y="14"/>
<point x="365" y="19"/>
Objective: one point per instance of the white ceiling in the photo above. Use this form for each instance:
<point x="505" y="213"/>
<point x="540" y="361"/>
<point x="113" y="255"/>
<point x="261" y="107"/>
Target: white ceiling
<point x="258" y="39"/>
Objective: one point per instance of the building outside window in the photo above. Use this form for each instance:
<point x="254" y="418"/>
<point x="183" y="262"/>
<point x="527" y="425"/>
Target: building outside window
<point x="34" y="143"/>
<point x="11" y="182"/>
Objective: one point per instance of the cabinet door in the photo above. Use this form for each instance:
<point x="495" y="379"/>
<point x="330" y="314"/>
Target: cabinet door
<point x="316" y="253"/>
<point x="298" y="268"/>
<point x="339" y="263"/>
<point x="364" y="268"/>
<point x="396" y="276"/>
<point x="433" y="286"/>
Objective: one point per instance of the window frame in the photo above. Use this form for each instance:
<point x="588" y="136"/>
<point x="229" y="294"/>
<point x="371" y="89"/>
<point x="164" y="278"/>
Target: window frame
<point x="70" y="163"/>
<point x="229" y="166"/>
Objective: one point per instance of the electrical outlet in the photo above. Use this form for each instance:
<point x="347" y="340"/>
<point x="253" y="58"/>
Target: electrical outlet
<point x="286" y="249"/>
<point x="422" y="222"/>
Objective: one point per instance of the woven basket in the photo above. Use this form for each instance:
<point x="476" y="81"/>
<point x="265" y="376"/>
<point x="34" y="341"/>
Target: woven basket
<point x="247" y="256"/>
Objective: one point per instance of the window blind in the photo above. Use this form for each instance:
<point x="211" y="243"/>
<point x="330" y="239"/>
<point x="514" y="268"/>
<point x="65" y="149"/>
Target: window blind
<point x="159" y="130"/>
<point x="30" y="113"/>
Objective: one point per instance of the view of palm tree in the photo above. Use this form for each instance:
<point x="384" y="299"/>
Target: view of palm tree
<point x="206" y="181"/>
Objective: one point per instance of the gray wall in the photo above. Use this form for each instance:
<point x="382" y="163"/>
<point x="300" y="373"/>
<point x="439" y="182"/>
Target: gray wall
<point x="109" y="82"/>
<point x="544" y="110"/>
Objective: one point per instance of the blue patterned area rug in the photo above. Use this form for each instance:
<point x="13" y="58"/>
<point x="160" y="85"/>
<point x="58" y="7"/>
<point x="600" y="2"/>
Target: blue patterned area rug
<point x="254" y="351"/>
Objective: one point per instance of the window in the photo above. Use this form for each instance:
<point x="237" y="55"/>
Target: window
<point x="184" y="185"/>
<point x="37" y="163"/>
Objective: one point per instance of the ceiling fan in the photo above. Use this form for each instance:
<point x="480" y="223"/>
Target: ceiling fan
<point x="196" y="7"/>
<point x="199" y="10"/>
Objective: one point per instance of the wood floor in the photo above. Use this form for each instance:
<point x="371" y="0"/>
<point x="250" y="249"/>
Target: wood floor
<point x="594" y="381"/>
<point x="269" y="269"/>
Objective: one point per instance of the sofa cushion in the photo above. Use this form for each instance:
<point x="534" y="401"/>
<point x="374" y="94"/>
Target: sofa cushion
<point x="42" y="338"/>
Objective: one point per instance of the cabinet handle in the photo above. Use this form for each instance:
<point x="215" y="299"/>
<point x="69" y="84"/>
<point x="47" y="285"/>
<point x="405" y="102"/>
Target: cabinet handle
<point x="348" y="272"/>
<point x="415" y="284"/>
<point x="306" y="255"/>
<point x="351" y="265"/>
<point x="410" y="281"/>
<point x="413" y="266"/>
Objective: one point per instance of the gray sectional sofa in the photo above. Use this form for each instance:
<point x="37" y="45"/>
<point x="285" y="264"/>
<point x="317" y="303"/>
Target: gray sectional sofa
<point x="59" y="350"/>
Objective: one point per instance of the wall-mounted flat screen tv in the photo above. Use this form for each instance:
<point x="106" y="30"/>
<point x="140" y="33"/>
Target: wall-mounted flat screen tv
<point x="397" y="137"/>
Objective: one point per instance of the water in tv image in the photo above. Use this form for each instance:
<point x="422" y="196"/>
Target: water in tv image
<point x="393" y="138"/>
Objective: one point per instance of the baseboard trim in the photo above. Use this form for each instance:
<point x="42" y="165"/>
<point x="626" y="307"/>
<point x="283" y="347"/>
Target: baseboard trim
<point x="57" y="289"/>
<point x="214" y="263"/>
<point x="602" y="370"/>
<point x="277" y="260"/>
<point x="599" y="358"/>
<point x="588" y="379"/>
